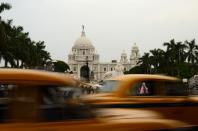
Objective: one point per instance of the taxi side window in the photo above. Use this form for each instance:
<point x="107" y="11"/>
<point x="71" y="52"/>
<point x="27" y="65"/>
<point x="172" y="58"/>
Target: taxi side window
<point x="159" y="88"/>
<point x="143" y="88"/>
<point x="35" y="103"/>
<point x="176" y="89"/>
<point x="18" y="103"/>
<point x="3" y="103"/>
<point x="62" y="103"/>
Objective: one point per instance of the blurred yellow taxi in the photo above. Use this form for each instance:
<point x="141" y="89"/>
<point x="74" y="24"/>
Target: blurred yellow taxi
<point x="162" y="97"/>
<point x="42" y="101"/>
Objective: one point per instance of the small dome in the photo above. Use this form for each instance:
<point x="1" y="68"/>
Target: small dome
<point x="135" y="47"/>
<point x="124" y="53"/>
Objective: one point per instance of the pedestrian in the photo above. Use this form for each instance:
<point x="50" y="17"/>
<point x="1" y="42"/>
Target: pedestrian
<point x="143" y="89"/>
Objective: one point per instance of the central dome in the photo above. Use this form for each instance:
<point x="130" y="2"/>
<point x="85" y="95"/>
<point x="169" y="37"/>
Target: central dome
<point x="83" y="42"/>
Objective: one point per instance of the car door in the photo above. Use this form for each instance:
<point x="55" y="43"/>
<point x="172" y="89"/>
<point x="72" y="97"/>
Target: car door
<point x="168" y="98"/>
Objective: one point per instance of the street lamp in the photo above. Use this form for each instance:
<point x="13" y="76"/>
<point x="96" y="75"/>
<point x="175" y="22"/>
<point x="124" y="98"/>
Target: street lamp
<point x="87" y="68"/>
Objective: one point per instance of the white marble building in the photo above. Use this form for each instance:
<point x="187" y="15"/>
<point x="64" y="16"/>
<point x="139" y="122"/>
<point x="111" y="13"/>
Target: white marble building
<point x="83" y="53"/>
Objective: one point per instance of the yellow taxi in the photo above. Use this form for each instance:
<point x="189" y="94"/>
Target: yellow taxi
<point x="155" y="97"/>
<point x="43" y="101"/>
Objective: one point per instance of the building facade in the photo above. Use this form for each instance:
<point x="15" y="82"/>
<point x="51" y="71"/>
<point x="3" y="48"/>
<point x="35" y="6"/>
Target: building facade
<point x="84" y="61"/>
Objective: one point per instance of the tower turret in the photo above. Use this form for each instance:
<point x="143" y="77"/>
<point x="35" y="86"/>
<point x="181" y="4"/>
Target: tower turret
<point x="135" y="55"/>
<point x="123" y="58"/>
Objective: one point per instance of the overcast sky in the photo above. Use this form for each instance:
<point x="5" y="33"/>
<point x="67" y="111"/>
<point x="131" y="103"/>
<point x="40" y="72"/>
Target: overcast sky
<point x="111" y="25"/>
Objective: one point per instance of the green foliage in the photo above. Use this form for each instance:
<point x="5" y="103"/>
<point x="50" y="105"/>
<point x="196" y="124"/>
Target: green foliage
<point x="17" y="49"/>
<point x="4" y="6"/>
<point x="185" y="70"/>
<point x="179" y="59"/>
<point x="60" y="66"/>
<point x="135" y="70"/>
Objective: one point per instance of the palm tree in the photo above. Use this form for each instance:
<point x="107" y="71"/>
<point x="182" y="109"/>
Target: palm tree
<point x="146" y="63"/>
<point x="180" y="52"/>
<point x="191" y="52"/>
<point x="176" y="51"/>
<point x="196" y="55"/>
<point x="42" y="55"/>
<point x="17" y="40"/>
<point x="5" y="27"/>
<point x="6" y="47"/>
<point x="4" y="6"/>
<point x="170" y="50"/>
<point x="170" y="57"/>
<point x="37" y="56"/>
<point x="175" y="55"/>
<point x="16" y="47"/>
<point x="24" y="55"/>
<point x="157" y="59"/>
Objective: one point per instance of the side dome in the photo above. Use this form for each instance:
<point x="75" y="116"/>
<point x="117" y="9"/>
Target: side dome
<point x="135" y="47"/>
<point x="124" y="53"/>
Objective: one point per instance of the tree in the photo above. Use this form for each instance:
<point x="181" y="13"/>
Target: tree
<point x="36" y="55"/>
<point x="4" y="6"/>
<point x="17" y="49"/>
<point x="191" y="51"/>
<point x="60" y="66"/>
<point x="157" y="59"/>
<point x="3" y="34"/>
<point x="135" y="70"/>
<point x="145" y="62"/>
<point x="180" y="52"/>
<point x="6" y="47"/>
<point x="179" y="59"/>
<point x="175" y="56"/>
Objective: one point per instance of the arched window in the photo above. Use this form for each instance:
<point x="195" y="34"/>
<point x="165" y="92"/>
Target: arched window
<point x="105" y="69"/>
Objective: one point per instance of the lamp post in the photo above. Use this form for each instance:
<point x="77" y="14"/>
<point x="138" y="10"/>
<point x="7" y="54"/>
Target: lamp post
<point x="87" y="68"/>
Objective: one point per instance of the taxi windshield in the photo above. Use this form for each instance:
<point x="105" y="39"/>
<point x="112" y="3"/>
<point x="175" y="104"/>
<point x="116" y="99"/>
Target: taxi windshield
<point x="45" y="102"/>
<point x="109" y="86"/>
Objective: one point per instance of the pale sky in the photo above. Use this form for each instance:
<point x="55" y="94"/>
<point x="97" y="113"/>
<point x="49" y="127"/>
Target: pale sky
<point x="111" y="25"/>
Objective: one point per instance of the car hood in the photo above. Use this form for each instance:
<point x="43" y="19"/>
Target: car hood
<point x="121" y="114"/>
<point x="102" y="97"/>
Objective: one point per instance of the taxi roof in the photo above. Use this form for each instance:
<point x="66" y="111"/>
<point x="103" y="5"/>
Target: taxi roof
<point x="29" y="76"/>
<point x="144" y="77"/>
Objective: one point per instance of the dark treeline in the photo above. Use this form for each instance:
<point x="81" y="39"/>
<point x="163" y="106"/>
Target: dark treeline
<point x="17" y="49"/>
<point x="178" y="59"/>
